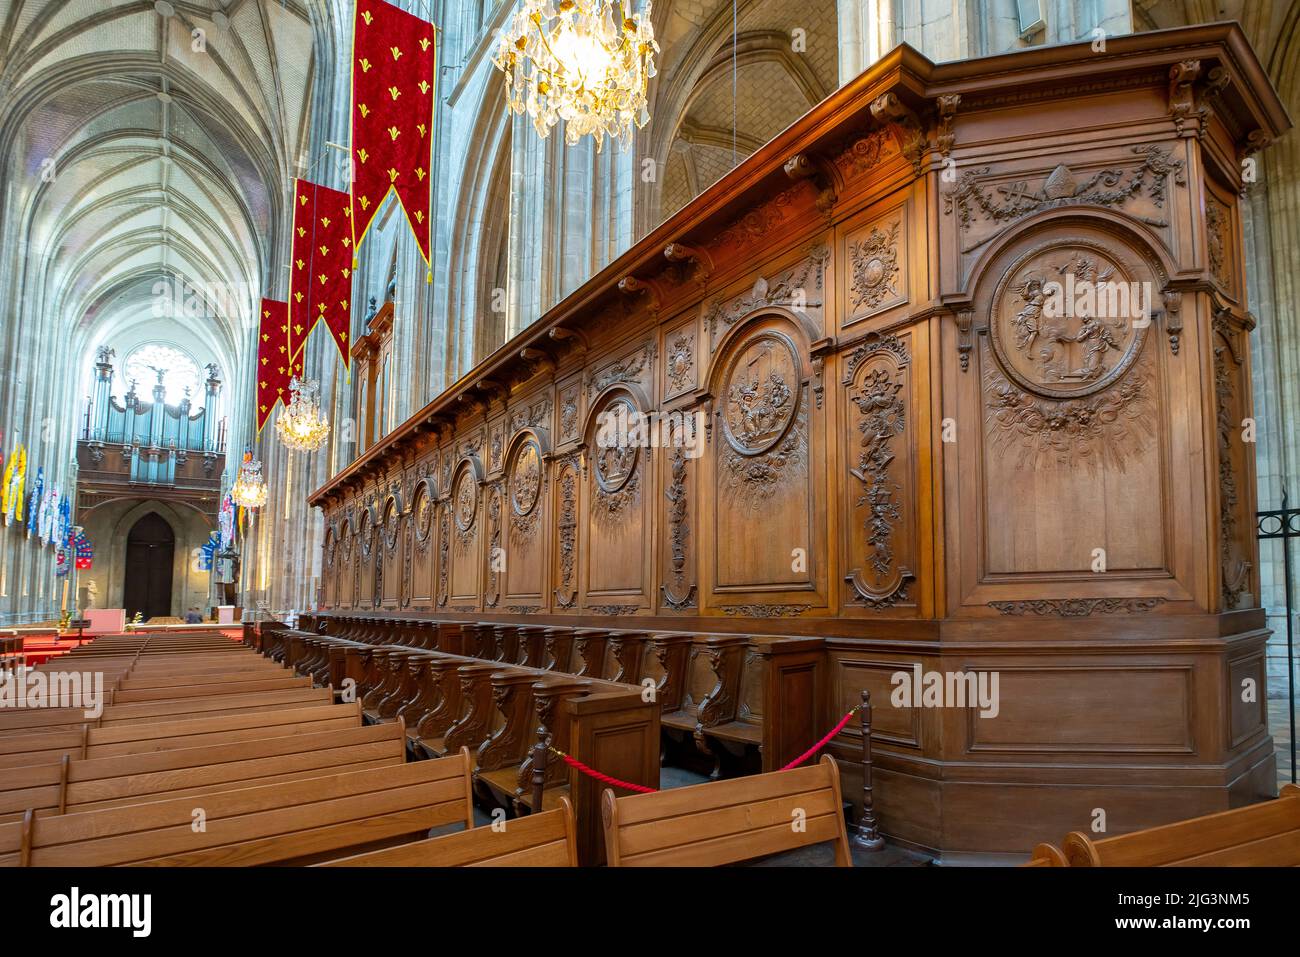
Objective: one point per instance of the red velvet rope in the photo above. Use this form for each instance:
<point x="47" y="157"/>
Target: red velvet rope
<point x="823" y="742"/>
<point x="592" y="772"/>
<point x="642" y="789"/>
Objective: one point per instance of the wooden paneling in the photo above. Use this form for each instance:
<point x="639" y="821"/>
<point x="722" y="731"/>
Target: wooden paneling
<point x="909" y="447"/>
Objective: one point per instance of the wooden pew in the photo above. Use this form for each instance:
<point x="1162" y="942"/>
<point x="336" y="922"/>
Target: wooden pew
<point x="538" y="840"/>
<point x="724" y="822"/>
<point x="1258" y="835"/>
<point x="91" y="742"/>
<point x="70" y="785"/>
<point x="299" y="822"/>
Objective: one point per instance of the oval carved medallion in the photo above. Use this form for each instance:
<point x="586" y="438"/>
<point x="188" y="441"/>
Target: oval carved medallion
<point x="1067" y="319"/>
<point x="466" y="502"/>
<point x="760" y="394"/>
<point x="615" y="464"/>
<point x="526" y="486"/>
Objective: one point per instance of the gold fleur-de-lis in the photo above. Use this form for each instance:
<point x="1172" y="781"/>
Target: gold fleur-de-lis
<point x="301" y="231"/>
<point x="365" y="203"/>
<point x="324" y="250"/>
<point x="396" y="53"/>
<point x="392" y="175"/>
<point x="394" y="92"/>
<point x="363" y="110"/>
<point x="363" y="155"/>
<point x="424" y="43"/>
<point x="347" y="273"/>
<point x="297" y="296"/>
<point x="347" y="242"/>
<point x="366" y="15"/>
<point x="343" y="337"/>
<point x="424" y="86"/>
<point x="421" y="127"/>
<point x="419" y="174"/>
<point x="365" y="65"/>
<point x="419" y="216"/>
<point x="302" y="200"/>
<point x="394" y="132"/>
<point x="325" y="221"/>
<point x="321" y="278"/>
<point x="300" y="263"/>
<point x="343" y="303"/>
<point x="265" y="337"/>
<point x="297" y="329"/>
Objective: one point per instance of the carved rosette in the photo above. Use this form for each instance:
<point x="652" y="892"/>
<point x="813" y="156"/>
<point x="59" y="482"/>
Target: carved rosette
<point x="875" y="374"/>
<point x="569" y="414"/>
<point x="875" y="270"/>
<point x="680" y="363"/>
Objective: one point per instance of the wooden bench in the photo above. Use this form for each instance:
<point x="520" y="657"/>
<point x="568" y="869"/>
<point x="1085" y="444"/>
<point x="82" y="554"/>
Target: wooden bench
<point x="537" y="840"/>
<point x="724" y="822"/>
<point x="91" y="742"/>
<point x="300" y="822"/>
<point x="72" y="784"/>
<point x="1258" y="835"/>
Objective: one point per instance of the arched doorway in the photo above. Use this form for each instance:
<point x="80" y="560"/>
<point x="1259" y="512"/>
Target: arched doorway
<point x="150" y="550"/>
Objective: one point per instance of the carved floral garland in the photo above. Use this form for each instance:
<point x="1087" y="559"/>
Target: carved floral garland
<point x="1101" y="429"/>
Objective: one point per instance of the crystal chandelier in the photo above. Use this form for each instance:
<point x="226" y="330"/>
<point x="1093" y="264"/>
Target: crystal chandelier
<point x="581" y="61"/>
<point x="301" y="426"/>
<point x="249" y="489"/>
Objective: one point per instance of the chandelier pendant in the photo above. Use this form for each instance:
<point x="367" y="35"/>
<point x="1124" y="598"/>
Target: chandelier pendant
<point x="249" y="490"/>
<point x="585" y="62"/>
<point x="301" y="426"/>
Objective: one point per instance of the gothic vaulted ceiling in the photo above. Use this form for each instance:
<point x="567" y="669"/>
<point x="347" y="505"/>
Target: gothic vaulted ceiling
<point x="148" y="143"/>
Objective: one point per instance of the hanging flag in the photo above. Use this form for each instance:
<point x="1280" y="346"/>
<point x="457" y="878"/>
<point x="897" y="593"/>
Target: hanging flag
<point x="320" y="274"/>
<point x="272" y="358"/>
<point x="15" y="470"/>
<point x="34" y="503"/>
<point x="62" y="562"/>
<point x="64" y="525"/>
<point x="208" y="551"/>
<point x="393" y="74"/>
<point x="49" y="516"/>
<point x="226" y="521"/>
<point x="82" y="552"/>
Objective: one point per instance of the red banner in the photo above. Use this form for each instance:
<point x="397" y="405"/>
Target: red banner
<point x="272" y="358"/>
<point x="320" y="274"/>
<point x="393" y="73"/>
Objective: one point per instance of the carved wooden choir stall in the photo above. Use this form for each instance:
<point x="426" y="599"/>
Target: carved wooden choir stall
<point x="920" y="444"/>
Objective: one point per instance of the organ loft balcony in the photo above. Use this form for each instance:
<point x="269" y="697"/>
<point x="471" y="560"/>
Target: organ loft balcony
<point x="132" y="446"/>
